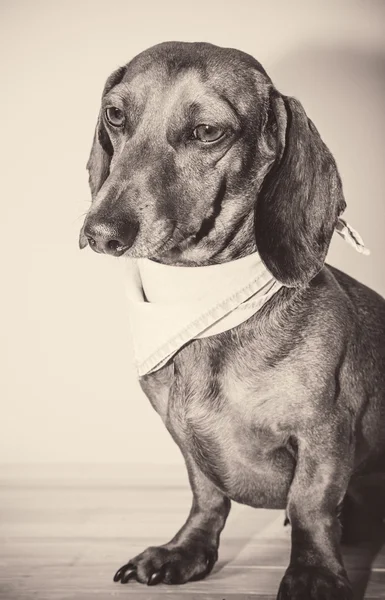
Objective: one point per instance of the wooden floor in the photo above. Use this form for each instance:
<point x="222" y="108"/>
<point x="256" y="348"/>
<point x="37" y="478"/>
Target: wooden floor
<point x="64" y="532"/>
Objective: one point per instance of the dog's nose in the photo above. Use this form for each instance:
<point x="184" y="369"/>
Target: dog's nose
<point x="111" y="238"/>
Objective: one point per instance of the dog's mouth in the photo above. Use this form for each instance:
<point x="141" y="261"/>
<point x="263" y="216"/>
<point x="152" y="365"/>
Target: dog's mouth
<point x="172" y="245"/>
<point x="166" y="239"/>
<point x="179" y="241"/>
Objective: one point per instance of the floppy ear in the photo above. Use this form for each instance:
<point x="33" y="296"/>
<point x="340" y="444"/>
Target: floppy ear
<point x="98" y="164"/>
<point x="300" y="200"/>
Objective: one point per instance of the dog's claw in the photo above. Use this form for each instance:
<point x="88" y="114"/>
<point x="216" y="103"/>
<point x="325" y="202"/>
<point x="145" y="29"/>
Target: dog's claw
<point x="125" y="573"/>
<point x="156" y="577"/>
<point x="118" y="574"/>
<point x="210" y="562"/>
<point x="130" y="574"/>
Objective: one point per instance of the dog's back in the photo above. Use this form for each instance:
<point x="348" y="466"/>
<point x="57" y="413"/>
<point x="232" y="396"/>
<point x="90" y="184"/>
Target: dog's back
<point x="367" y="367"/>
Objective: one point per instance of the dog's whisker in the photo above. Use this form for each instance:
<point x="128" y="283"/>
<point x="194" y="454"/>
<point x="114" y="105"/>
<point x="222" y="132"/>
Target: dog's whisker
<point x="79" y="217"/>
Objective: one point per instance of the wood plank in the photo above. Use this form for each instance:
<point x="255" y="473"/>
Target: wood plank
<point x="62" y="537"/>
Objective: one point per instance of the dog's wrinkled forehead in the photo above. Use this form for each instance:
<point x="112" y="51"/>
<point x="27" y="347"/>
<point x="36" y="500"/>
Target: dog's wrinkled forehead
<point x="229" y="73"/>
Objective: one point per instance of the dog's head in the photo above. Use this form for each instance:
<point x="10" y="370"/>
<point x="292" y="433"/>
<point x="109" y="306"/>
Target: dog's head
<point x="198" y="159"/>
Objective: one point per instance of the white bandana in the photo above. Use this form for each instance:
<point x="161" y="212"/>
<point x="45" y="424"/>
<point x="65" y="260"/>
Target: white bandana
<point x="169" y="306"/>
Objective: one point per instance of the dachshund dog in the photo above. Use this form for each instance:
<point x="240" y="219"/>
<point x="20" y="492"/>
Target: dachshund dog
<point x="198" y="160"/>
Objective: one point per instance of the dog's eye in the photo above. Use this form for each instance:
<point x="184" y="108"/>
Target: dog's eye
<point x="207" y="133"/>
<point x="115" y="116"/>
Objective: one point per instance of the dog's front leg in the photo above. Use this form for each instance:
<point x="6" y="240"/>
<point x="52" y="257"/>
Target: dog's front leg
<point x="192" y="553"/>
<point x="324" y="466"/>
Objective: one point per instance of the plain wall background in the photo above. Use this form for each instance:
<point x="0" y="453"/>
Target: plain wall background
<point x="69" y="390"/>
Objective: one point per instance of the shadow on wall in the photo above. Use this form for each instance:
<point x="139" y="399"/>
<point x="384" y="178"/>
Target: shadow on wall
<point x="343" y="91"/>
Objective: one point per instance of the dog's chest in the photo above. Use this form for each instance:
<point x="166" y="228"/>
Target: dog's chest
<point x="237" y="429"/>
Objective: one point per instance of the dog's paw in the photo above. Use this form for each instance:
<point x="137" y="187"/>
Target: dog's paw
<point x="313" y="583"/>
<point x="168" y="564"/>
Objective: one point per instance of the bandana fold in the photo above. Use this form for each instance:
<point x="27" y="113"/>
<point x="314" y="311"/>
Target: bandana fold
<point x="169" y="306"/>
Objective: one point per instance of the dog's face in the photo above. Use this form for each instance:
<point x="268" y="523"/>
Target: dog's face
<point x="183" y="135"/>
<point x="192" y="164"/>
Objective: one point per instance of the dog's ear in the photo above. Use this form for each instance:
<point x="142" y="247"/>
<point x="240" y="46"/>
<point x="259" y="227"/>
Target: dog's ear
<point x="98" y="164"/>
<point x="300" y="199"/>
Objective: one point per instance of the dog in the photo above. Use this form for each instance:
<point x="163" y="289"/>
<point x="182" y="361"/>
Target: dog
<point x="198" y="160"/>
